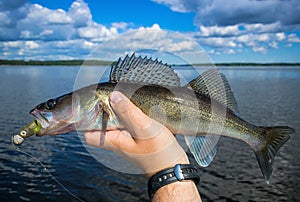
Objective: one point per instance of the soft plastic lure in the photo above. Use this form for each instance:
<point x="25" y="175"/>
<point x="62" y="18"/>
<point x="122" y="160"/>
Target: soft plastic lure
<point x="29" y="130"/>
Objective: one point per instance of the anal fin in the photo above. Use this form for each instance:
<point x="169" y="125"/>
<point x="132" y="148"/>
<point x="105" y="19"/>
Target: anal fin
<point x="203" y="148"/>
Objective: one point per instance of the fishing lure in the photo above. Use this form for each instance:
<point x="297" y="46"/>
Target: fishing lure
<point x="31" y="129"/>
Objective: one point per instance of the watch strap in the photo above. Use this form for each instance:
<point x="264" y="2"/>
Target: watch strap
<point x="178" y="173"/>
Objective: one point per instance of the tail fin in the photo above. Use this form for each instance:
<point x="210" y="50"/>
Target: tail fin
<point x="275" y="138"/>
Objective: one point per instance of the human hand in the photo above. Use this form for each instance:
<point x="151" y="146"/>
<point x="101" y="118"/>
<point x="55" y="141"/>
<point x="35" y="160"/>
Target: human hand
<point x="144" y="142"/>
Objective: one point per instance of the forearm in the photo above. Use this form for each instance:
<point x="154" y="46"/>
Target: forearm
<point x="178" y="191"/>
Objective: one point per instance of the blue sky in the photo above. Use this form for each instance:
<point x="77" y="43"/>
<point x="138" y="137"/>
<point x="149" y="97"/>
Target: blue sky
<point x="229" y="31"/>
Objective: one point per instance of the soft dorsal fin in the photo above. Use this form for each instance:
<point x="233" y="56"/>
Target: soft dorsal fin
<point x="213" y="84"/>
<point x="143" y="70"/>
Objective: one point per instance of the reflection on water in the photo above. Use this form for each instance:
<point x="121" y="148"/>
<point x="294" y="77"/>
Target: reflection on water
<point x="265" y="97"/>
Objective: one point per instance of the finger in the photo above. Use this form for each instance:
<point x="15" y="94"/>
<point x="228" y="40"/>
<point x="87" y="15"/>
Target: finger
<point x="140" y="125"/>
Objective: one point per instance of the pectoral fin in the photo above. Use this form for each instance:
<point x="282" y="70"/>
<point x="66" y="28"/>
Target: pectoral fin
<point x="107" y="114"/>
<point x="105" y="117"/>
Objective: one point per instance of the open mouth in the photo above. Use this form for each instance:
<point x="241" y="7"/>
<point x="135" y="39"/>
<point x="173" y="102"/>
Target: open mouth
<point x="40" y="118"/>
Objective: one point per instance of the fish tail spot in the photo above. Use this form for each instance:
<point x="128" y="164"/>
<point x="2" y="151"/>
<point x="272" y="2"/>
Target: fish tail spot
<point x="275" y="138"/>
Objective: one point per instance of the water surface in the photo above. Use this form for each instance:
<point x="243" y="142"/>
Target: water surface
<point x="266" y="96"/>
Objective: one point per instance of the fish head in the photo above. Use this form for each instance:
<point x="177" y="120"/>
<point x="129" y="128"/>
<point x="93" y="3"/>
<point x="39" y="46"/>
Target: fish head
<point x="77" y="111"/>
<point x="55" y="115"/>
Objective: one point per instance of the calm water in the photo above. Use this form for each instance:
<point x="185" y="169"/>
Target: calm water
<point x="265" y="96"/>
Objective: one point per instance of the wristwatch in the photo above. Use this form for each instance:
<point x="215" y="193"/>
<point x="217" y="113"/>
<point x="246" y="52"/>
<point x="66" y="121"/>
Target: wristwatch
<point x="178" y="173"/>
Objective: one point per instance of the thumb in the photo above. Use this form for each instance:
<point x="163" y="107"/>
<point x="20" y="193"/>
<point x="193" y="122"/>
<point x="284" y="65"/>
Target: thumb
<point x="132" y="118"/>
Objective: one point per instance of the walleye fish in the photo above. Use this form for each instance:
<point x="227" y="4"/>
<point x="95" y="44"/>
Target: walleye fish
<point x="202" y="110"/>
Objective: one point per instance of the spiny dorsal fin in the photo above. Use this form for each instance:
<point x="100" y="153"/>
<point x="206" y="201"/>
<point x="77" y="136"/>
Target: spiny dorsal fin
<point x="143" y="70"/>
<point x="213" y="84"/>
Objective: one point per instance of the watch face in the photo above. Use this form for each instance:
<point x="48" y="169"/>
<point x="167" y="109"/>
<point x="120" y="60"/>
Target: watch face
<point x="171" y="175"/>
<point x="178" y="172"/>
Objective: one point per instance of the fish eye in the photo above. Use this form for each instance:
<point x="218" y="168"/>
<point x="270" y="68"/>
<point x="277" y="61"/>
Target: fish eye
<point x="50" y="104"/>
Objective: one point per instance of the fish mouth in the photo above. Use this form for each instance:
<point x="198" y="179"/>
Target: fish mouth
<point x="40" y="118"/>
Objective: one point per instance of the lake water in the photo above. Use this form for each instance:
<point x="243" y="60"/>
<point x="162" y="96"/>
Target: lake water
<point x="266" y="96"/>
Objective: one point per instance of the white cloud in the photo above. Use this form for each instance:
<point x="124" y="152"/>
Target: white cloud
<point x="260" y="49"/>
<point x="35" y="22"/>
<point x="256" y="13"/>
<point x="12" y="44"/>
<point x="46" y="32"/>
<point x="182" y="45"/>
<point x="273" y="44"/>
<point x="293" y="38"/>
<point x="156" y="38"/>
<point x="175" y="5"/>
<point x="253" y="39"/>
<point x="263" y="37"/>
<point x="218" y="42"/>
<point x="80" y="13"/>
<point x="244" y="38"/>
<point x="258" y="42"/>
<point x="32" y="44"/>
<point x="280" y="36"/>
<point x="219" y="31"/>
<point x="214" y="52"/>
<point x="151" y="38"/>
<point x="230" y="51"/>
<point x="97" y="32"/>
<point x="88" y="45"/>
<point x="122" y="25"/>
<point x="262" y="28"/>
<point x="21" y="52"/>
<point x="89" y="32"/>
<point x="234" y="25"/>
<point x="44" y="16"/>
<point x="151" y="34"/>
<point x="34" y="31"/>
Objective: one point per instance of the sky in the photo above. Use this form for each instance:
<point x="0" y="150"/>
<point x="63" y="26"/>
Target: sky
<point x="227" y="30"/>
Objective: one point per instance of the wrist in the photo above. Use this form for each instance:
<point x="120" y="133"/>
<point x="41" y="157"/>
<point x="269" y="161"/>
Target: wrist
<point x="178" y="173"/>
<point x="183" y="160"/>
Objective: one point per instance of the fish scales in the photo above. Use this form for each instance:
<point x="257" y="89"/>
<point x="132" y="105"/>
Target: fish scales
<point x="205" y="107"/>
<point x="176" y="101"/>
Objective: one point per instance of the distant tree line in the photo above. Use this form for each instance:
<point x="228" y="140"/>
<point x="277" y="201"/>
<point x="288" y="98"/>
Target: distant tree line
<point x="106" y="63"/>
<point x="260" y="64"/>
<point x="55" y="62"/>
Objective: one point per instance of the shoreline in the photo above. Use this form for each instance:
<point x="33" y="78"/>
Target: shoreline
<point x="55" y="63"/>
<point x="105" y="63"/>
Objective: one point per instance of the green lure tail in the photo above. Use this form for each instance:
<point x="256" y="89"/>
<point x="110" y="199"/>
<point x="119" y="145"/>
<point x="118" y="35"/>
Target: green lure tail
<point x="29" y="130"/>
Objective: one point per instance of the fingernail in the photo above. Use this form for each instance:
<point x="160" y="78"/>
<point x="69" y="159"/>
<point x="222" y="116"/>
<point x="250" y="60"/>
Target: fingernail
<point x="116" y="97"/>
